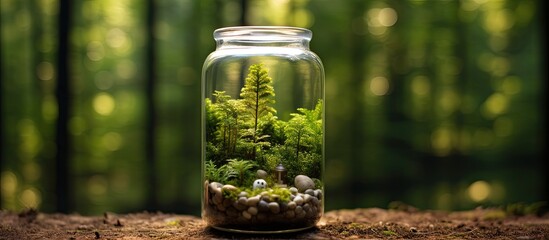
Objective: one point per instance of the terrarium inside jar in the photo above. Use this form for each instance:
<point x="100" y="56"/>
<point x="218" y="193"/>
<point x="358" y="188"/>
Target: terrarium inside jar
<point x="263" y="131"/>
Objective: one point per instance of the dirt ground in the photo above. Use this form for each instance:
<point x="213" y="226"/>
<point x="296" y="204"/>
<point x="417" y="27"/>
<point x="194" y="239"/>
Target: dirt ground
<point x="371" y="223"/>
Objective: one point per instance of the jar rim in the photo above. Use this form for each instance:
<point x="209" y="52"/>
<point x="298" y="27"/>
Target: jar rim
<point x="263" y="33"/>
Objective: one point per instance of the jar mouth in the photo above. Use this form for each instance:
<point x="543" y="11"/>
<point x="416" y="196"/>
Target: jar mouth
<point x="263" y="33"/>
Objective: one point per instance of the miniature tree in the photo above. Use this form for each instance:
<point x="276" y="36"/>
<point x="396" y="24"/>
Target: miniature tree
<point x="228" y="113"/>
<point x="257" y="96"/>
<point x="304" y="130"/>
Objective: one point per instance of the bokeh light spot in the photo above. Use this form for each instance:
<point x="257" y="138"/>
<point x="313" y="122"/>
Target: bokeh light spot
<point x="495" y="105"/>
<point x="45" y="71"/>
<point x="97" y="185"/>
<point x="30" y="198"/>
<point x="112" y="141"/>
<point x="104" y="80"/>
<point x="379" y="86"/>
<point x="8" y="183"/>
<point x="95" y="51"/>
<point x="31" y="142"/>
<point x="496" y="21"/>
<point x="116" y="38"/>
<point x="479" y="191"/>
<point x="441" y="141"/>
<point x="303" y="18"/>
<point x="126" y="69"/>
<point x="387" y="17"/>
<point x="421" y="85"/>
<point x="103" y="104"/>
<point x="511" y="85"/>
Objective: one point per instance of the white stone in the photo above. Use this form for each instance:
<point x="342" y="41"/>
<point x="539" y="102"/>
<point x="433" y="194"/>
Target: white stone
<point x="259" y="183"/>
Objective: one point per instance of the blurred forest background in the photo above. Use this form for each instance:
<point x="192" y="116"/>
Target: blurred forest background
<point x="438" y="104"/>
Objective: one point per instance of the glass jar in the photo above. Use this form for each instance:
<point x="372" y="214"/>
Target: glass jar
<point x="262" y="131"/>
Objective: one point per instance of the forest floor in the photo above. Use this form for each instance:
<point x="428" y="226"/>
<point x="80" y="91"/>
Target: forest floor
<point x="371" y="223"/>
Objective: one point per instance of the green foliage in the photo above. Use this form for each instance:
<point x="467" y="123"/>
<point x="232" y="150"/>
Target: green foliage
<point x="241" y="168"/>
<point x="212" y="120"/>
<point x="229" y="112"/>
<point x="215" y="174"/>
<point x="304" y="137"/>
<point x="244" y="133"/>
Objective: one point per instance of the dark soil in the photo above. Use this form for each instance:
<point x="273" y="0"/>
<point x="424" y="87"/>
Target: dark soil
<point x="370" y="223"/>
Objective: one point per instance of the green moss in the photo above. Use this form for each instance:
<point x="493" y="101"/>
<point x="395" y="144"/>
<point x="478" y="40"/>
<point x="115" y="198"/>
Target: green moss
<point x="230" y="194"/>
<point x="389" y="233"/>
<point x="275" y="194"/>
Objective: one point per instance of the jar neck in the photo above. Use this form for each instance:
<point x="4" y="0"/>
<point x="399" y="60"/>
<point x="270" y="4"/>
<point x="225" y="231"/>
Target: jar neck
<point x="262" y="36"/>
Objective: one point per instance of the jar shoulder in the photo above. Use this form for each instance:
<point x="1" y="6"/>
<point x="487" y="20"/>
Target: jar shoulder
<point x="272" y="53"/>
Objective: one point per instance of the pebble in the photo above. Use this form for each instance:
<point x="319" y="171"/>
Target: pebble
<point x="306" y="198"/>
<point x="289" y="214"/>
<point x="274" y="198"/>
<point x="222" y="208"/>
<point x="247" y="215"/>
<point x="214" y="185"/>
<point x="215" y="190"/>
<point x="232" y="212"/>
<point x="291" y="205"/>
<point x="229" y="187"/>
<point x="298" y="209"/>
<point x="262" y="174"/>
<point x="253" y="201"/>
<point x="242" y="200"/>
<point x="293" y="190"/>
<point x="298" y="200"/>
<point x="263" y="206"/>
<point x="318" y="193"/>
<point x="273" y="206"/>
<point x="302" y="183"/>
<point x="217" y="198"/>
<point x="315" y="201"/>
<point x="239" y="206"/>
<point x="261" y="216"/>
<point x="283" y="206"/>
<point x="227" y="202"/>
<point x="252" y="210"/>
<point x="265" y="198"/>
